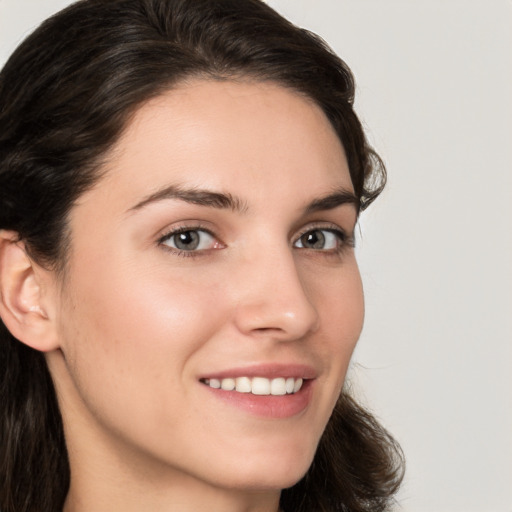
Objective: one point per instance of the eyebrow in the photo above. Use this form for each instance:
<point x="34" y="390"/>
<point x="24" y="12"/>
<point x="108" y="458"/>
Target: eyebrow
<point x="194" y="196"/>
<point x="337" y="198"/>
<point x="226" y="201"/>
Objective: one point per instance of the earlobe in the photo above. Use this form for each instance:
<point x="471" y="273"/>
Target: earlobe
<point x="23" y="305"/>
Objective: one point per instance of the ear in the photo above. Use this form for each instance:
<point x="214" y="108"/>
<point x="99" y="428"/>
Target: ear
<point x="25" y="299"/>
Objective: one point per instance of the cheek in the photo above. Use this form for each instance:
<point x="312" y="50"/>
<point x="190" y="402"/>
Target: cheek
<point x="351" y="308"/>
<point x="341" y="309"/>
<point x="340" y="302"/>
<point x="135" y="333"/>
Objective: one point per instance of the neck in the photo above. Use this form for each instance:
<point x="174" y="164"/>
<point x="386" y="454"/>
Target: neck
<point x="159" y="503"/>
<point x="103" y="480"/>
<point x="103" y="493"/>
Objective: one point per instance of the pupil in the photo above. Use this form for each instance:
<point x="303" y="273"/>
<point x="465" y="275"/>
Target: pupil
<point x="314" y="240"/>
<point x="188" y="240"/>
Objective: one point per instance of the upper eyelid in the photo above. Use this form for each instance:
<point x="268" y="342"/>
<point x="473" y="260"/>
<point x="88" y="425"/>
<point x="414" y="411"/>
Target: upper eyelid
<point x="170" y="231"/>
<point x="348" y="239"/>
<point x="328" y="226"/>
<point x="199" y="226"/>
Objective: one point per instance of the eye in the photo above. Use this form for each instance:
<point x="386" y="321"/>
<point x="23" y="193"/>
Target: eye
<point x="189" y="240"/>
<point x="321" y="239"/>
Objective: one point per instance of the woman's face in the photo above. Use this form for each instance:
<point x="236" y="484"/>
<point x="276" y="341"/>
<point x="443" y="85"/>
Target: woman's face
<point x="217" y="250"/>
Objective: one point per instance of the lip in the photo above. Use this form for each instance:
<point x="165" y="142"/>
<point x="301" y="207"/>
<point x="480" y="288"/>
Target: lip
<point x="266" y="406"/>
<point x="269" y="371"/>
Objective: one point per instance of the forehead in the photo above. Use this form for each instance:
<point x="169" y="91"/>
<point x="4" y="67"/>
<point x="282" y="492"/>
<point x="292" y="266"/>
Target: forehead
<point x="245" y="138"/>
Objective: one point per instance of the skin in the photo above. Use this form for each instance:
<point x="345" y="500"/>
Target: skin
<point x="138" y="324"/>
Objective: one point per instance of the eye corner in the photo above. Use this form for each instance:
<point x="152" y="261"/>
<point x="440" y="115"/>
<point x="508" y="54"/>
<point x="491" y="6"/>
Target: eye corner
<point x="324" y="239"/>
<point x="194" y="241"/>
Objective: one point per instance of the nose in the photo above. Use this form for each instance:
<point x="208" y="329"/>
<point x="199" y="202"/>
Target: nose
<point x="274" y="299"/>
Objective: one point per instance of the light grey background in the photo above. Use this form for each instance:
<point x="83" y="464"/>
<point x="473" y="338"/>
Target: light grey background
<point x="434" y="89"/>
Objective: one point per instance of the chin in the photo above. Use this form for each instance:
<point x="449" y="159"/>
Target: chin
<point x="275" y="471"/>
<point x="271" y="481"/>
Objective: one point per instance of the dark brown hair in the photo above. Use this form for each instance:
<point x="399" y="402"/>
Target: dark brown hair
<point x="66" y="95"/>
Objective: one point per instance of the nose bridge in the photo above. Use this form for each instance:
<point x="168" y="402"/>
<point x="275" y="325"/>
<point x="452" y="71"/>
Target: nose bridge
<point x="273" y="297"/>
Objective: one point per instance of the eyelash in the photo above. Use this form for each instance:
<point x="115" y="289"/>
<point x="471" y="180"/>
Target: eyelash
<point x="344" y="241"/>
<point x="184" y="229"/>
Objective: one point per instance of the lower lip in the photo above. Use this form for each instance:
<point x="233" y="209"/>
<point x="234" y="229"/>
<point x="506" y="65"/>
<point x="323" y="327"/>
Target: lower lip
<point x="268" y="406"/>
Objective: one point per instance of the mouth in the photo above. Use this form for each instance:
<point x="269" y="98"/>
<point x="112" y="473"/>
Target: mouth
<point x="265" y="390"/>
<point x="260" y="386"/>
<point x="274" y="397"/>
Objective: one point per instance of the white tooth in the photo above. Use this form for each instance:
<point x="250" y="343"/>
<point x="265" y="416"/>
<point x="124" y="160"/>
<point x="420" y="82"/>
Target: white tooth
<point x="214" y="383"/>
<point x="260" y="386"/>
<point x="243" y="385"/>
<point x="228" y="384"/>
<point x="297" y="385"/>
<point x="278" y="386"/>
<point x="290" y="383"/>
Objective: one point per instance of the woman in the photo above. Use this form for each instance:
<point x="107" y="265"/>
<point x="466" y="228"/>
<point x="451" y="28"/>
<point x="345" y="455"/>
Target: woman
<point x="180" y="183"/>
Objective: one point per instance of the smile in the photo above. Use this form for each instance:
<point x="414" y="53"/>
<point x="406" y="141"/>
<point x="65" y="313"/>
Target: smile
<point x="257" y="385"/>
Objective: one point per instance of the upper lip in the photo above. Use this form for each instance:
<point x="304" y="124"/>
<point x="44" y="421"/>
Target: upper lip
<point x="269" y="371"/>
